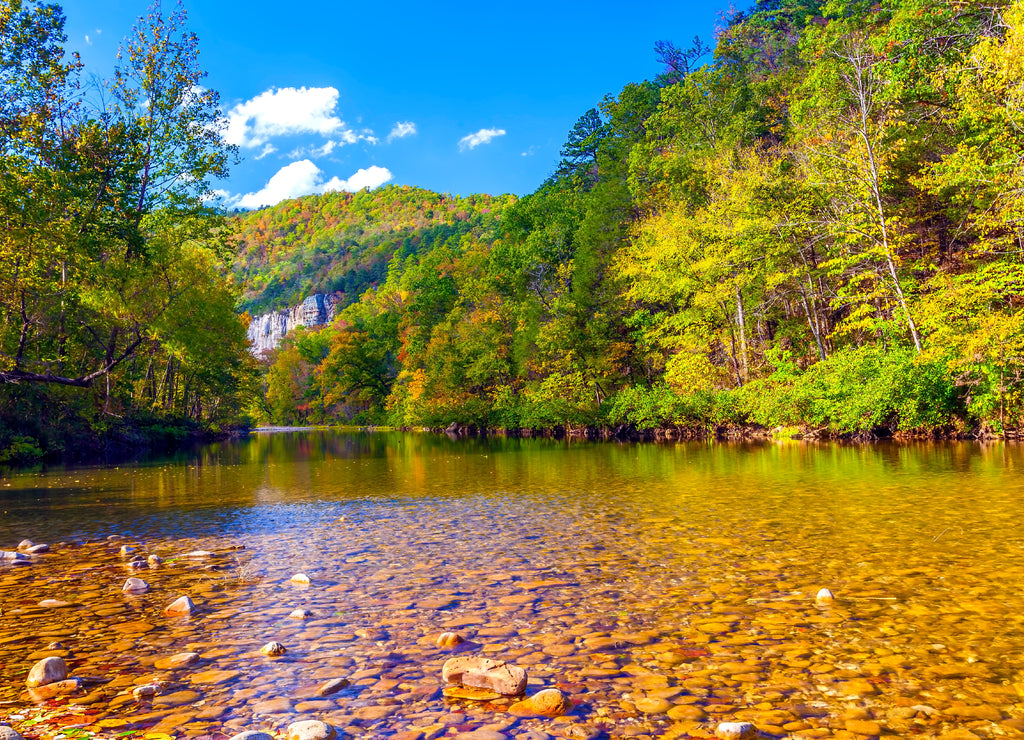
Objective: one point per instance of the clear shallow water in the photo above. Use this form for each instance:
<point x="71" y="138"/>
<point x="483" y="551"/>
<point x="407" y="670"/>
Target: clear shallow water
<point x="664" y="587"/>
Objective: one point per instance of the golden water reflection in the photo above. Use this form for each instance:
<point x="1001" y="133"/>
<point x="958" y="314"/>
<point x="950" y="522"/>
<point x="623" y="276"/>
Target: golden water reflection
<point x="664" y="587"/>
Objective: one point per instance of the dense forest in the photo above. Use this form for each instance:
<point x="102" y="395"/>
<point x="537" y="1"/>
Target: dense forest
<point x="118" y="328"/>
<point x="814" y="227"/>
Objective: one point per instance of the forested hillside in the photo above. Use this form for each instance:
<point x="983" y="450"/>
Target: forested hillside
<point x="816" y="227"/>
<point x="345" y="241"/>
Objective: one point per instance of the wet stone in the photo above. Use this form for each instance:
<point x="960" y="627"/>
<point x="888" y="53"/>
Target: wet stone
<point x="735" y="731"/>
<point x="273" y="649"/>
<point x="9" y="733"/>
<point x="179" y="660"/>
<point x="484" y="673"/>
<point x="47" y="671"/>
<point x="310" y="730"/>
<point x="182" y="606"/>
<point x="332" y="687"/>
<point x="252" y="735"/>
<point x="545" y="703"/>
<point x="135" y="586"/>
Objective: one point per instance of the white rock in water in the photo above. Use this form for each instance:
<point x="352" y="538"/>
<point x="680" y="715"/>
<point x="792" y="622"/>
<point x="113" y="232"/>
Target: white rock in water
<point x="13" y="557"/>
<point x="48" y="670"/>
<point x="198" y="554"/>
<point x="824" y="596"/>
<point x="36" y="549"/>
<point x="736" y="731"/>
<point x="25" y="544"/>
<point x="154" y="560"/>
<point x="252" y="735"/>
<point x="273" y="649"/>
<point x="9" y="733"/>
<point x="135" y="586"/>
<point x="310" y="729"/>
<point x="300" y="578"/>
<point x="484" y="673"/>
<point x="181" y="605"/>
<point x="127" y="550"/>
<point x="146" y="691"/>
<point x="301" y="614"/>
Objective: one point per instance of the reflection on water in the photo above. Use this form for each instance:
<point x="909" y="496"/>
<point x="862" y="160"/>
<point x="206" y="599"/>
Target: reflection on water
<point x="665" y="587"/>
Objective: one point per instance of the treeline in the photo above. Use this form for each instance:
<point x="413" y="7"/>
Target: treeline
<point x="118" y="329"/>
<point x="815" y="227"/>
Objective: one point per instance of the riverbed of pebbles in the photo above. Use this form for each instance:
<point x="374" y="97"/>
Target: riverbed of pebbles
<point x="647" y="627"/>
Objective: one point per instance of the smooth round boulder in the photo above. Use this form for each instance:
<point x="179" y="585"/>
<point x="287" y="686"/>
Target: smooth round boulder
<point x="48" y="670"/>
<point x="735" y="731"/>
<point x="25" y="544"/>
<point x="545" y="703"/>
<point x="273" y="649"/>
<point x="182" y="606"/>
<point x="135" y="586"/>
<point x="178" y="660"/>
<point x="146" y="691"/>
<point x="300" y="579"/>
<point x="37" y="549"/>
<point x="310" y="729"/>
<point x="824" y="596"/>
<point x="9" y="733"/>
<point x="332" y="687"/>
<point x="155" y="560"/>
<point x="449" y="639"/>
<point x="252" y="735"/>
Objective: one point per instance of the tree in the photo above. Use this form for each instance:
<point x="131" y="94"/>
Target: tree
<point x="86" y="196"/>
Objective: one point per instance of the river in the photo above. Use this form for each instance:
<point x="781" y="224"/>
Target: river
<point x="664" y="588"/>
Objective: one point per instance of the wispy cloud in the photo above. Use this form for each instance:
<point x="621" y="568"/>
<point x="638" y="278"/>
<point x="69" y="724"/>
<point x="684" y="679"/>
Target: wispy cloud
<point x="288" y="111"/>
<point x="483" y="136"/>
<point x="268" y="149"/>
<point x="305" y="178"/>
<point x="401" y="130"/>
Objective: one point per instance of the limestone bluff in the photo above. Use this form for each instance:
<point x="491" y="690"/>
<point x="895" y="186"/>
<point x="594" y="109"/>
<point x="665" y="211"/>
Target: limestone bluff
<point x="267" y="330"/>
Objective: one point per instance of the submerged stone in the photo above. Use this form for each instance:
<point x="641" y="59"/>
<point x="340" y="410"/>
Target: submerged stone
<point x="545" y="703"/>
<point x="273" y="649"/>
<point x="332" y="687"/>
<point x="484" y="673"/>
<point x="449" y="639"/>
<point x="310" y="729"/>
<point x="183" y="605"/>
<point x="47" y="671"/>
<point x="735" y="731"/>
<point x="135" y="586"/>
<point x="179" y="660"/>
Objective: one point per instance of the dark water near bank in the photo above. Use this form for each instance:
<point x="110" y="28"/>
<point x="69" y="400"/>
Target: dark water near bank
<point x="663" y="587"/>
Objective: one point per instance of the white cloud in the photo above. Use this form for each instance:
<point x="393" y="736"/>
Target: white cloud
<point x="304" y="152"/>
<point x="483" y="136"/>
<point x="370" y="177"/>
<point x="305" y="178"/>
<point x="267" y="150"/>
<point x="283" y="112"/>
<point x="402" y="129"/>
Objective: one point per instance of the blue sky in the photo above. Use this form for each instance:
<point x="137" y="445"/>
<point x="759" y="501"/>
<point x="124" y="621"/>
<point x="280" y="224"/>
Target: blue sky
<point x="455" y="97"/>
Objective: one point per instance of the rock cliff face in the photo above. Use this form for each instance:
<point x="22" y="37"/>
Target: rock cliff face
<point x="267" y="330"/>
